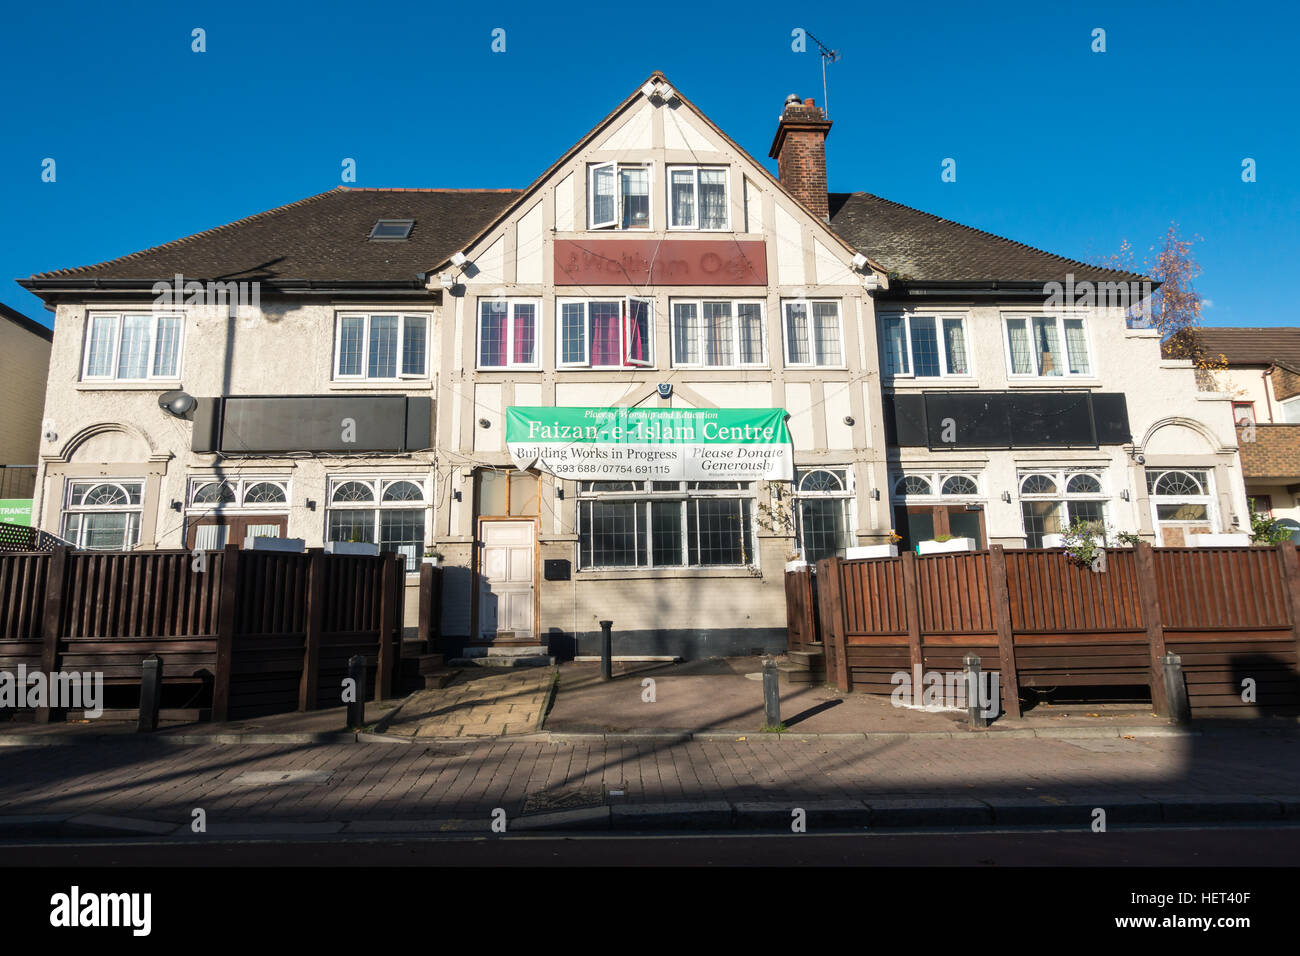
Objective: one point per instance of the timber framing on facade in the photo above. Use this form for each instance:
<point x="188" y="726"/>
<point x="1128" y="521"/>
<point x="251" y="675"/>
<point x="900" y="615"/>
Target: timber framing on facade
<point x="357" y="359"/>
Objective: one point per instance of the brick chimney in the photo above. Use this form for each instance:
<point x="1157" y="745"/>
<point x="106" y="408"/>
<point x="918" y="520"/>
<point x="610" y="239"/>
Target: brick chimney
<point x="800" y="152"/>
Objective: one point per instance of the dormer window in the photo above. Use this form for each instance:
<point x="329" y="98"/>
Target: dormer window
<point x="392" y="229"/>
<point x="618" y="196"/>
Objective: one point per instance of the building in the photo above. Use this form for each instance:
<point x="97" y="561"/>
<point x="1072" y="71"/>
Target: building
<point x="24" y="363"/>
<point x="1260" y="369"/>
<point x="632" y="391"/>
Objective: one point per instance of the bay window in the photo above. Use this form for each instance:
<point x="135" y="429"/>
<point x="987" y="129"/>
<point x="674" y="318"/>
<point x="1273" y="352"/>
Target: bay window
<point x="381" y="346"/>
<point x="924" y="346"/>
<point x="132" y="346"/>
<point x="103" y="515"/>
<point x="665" y="524"/>
<point x="1047" y="346"/>
<point x="605" y="333"/>
<point x="813" y="334"/>
<point x="618" y="196"/>
<point x="698" y="198"/>
<point x="718" y="333"/>
<point x="507" y="333"/>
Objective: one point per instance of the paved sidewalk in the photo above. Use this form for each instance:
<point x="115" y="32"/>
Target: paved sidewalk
<point x="706" y="782"/>
<point x="480" y="702"/>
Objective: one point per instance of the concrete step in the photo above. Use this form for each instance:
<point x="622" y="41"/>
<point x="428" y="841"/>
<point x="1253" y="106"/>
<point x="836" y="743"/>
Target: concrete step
<point x="430" y="663"/>
<point x="499" y="660"/>
<point x="506" y="650"/>
<point x="438" y="679"/>
<point x="807" y="658"/>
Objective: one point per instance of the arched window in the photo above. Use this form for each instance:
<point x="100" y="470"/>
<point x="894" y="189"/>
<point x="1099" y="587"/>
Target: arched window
<point x="824" y="512"/>
<point x="912" y="485"/>
<point x="403" y="491"/>
<point x="352" y="492"/>
<point x="960" y="485"/>
<point x="387" y="513"/>
<point x="1038" y="485"/>
<point x="1083" y="484"/>
<point x="820" y="479"/>
<point x="1178" y="483"/>
<point x="214" y="493"/>
<point x="264" y="493"/>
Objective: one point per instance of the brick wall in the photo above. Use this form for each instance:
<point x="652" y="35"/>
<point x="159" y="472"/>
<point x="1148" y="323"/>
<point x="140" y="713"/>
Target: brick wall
<point x="1286" y="383"/>
<point x="800" y="152"/>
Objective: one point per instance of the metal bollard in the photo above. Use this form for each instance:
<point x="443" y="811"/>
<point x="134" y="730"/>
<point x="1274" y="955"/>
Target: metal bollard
<point x="150" y="693"/>
<point x="606" y="651"/>
<point x="357" y="708"/>
<point x="1180" y="711"/>
<point x="971" y="668"/>
<point x="771" y="694"/>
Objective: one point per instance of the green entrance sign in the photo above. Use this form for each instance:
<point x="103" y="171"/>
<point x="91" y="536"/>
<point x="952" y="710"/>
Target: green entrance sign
<point x="652" y="444"/>
<point x="16" y="511"/>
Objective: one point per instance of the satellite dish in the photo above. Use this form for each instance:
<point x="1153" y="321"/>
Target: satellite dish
<point x="176" y="403"/>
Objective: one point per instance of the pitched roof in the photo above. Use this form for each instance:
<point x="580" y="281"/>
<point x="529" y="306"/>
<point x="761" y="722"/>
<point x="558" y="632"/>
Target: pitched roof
<point x="918" y="245"/>
<point x="28" y="325"/>
<point x="1279" y="345"/>
<point x="322" y="237"/>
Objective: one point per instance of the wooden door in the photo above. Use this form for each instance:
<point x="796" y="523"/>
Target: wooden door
<point x="507" y="568"/>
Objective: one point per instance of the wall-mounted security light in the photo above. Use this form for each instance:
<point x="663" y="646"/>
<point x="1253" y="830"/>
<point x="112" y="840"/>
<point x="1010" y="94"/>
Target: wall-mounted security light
<point x="311" y="504"/>
<point x="176" y="403"/>
<point x="870" y="283"/>
<point x="1123" y="493"/>
<point x="848" y="419"/>
<point x="875" y="494"/>
<point x="456" y="494"/>
<point x="1006" y="496"/>
<point x="559" y="491"/>
<point x="446" y="280"/>
<point x="50" y="435"/>
<point x="176" y="505"/>
<point x="458" y="259"/>
<point x="859" y="261"/>
<point x="484" y="423"/>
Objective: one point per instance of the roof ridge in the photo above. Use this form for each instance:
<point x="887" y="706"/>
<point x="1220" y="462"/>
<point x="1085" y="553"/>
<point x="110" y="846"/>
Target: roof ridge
<point x="993" y="235"/>
<point x="197" y="235"/>
<point x="429" y="189"/>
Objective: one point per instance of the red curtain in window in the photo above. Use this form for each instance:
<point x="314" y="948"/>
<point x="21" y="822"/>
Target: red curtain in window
<point x="605" y="345"/>
<point x="525" y="325"/>
<point x="492" y="333"/>
<point x="635" y="340"/>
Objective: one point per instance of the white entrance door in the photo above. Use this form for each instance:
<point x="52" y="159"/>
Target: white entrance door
<point x="506" y="579"/>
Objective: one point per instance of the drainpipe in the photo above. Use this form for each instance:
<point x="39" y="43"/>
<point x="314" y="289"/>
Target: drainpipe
<point x="1268" y="400"/>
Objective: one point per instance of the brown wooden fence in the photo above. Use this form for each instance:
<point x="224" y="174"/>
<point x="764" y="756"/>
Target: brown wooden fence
<point x="1041" y="620"/>
<point x="253" y="632"/>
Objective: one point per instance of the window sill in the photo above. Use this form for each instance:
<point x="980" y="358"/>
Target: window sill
<point x="161" y="385"/>
<point x="413" y="384"/>
<point x="1054" y="381"/>
<point x="508" y="368"/>
<point x="620" y="574"/>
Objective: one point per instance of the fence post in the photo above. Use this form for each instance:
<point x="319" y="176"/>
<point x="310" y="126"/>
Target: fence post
<point x="428" y="576"/>
<point x="1286" y="555"/>
<point x="1175" y="688"/>
<point x="52" y="620"/>
<point x="1149" y="596"/>
<point x="912" y="603"/>
<point x="1000" y="599"/>
<point x="829" y="596"/>
<point x="151" y="669"/>
<point x="392" y="584"/>
<point x="225" y="632"/>
<point x="317" y="569"/>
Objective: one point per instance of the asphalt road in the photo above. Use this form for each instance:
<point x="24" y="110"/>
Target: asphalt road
<point x="1255" y="846"/>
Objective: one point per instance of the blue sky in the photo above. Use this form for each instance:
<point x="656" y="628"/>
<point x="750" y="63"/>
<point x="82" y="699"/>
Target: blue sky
<point x="1056" y="146"/>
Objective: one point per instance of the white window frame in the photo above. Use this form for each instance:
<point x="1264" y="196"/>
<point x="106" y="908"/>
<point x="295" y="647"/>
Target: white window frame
<point x="377" y="484"/>
<point x="127" y="509"/>
<point x="616" y="223"/>
<point x="585" y="302"/>
<point x="847" y="496"/>
<point x="939" y="316"/>
<point x="735" y="332"/>
<point x="1209" y="499"/>
<point x="511" y="303"/>
<point x="812" y="345"/>
<point x="240" y="484"/>
<point x="936" y="480"/>
<point x="695" y="196"/>
<point x="364" y="376"/>
<point x="1286" y="408"/>
<point x="116" y="339"/>
<point x="1059" y="316"/>
<point x="1061" y="476"/>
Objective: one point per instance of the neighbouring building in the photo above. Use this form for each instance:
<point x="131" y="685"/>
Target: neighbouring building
<point x="632" y="391"/>
<point x="1260" y="370"/>
<point x="24" y="364"/>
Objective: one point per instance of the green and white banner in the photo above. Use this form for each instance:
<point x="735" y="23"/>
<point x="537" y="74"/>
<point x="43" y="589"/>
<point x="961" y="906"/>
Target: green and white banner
<point x="652" y="444"/>
<point x="16" y="511"/>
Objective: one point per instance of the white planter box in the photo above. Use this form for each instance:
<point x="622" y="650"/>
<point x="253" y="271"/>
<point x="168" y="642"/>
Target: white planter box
<point x="297" y="545"/>
<point x="872" y="551"/>
<point x="1233" y="540"/>
<point x="430" y="560"/>
<point x="350" y="547"/>
<point x="800" y="565"/>
<point x="945" y="547"/>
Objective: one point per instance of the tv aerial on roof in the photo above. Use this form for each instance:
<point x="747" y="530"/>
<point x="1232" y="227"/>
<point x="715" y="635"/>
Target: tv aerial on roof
<point x="828" y="56"/>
